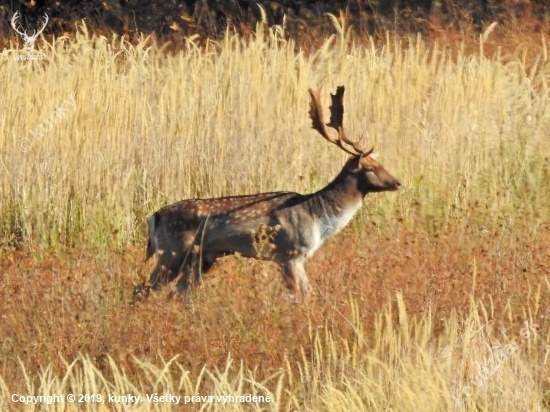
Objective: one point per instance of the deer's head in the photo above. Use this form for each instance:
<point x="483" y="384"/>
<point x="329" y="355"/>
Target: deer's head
<point x="371" y="175"/>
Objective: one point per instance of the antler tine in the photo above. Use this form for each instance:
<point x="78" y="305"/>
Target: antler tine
<point x="13" y="20"/>
<point x="46" y="19"/>
<point x="317" y="120"/>
<point x="365" y="152"/>
<point x="36" y="33"/>
<point x="337" y="120"/>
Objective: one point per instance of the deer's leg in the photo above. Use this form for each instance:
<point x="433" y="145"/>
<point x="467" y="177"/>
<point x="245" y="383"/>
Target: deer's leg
<point x="173" y="257"/>
<point x="183" y="281"/>
<point x="295" y="276"/>
<point x="198" y="265"/>
<point x="167" y="268"/>
<point x="154" y="278"/>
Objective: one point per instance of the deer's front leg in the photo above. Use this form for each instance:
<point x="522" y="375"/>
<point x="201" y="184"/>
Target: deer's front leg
<point x="295" y="276"/>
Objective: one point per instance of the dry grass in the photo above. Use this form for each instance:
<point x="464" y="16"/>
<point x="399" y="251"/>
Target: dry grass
<point x="464" y="242"/>
<point x="401" y="363"/>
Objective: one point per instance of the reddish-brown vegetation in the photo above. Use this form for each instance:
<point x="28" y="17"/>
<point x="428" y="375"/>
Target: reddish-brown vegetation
<point x="79" y="301"/>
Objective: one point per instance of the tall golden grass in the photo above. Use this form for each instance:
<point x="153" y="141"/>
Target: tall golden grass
<point x="231" y="118"/>
<point x="466" y="133"/>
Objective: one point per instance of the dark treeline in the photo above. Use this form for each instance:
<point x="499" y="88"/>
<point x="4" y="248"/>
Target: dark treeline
<point x="209" y="18"/>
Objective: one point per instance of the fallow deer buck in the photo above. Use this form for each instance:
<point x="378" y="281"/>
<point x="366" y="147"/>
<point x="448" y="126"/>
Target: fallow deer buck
<point x="284" y="227"/>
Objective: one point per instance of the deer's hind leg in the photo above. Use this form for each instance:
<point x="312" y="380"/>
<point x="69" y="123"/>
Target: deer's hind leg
<point x="167" y="268"/>
<point x="197" y="266"/>
<point x="172" y="259"/>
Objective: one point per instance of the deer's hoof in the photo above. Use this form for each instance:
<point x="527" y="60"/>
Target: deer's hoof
<point x="291" y="298"/>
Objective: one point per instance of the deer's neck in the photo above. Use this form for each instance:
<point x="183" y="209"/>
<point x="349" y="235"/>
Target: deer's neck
<point x="336" y="204"/>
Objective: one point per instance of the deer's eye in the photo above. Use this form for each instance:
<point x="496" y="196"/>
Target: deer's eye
<point x="369" y="169"/>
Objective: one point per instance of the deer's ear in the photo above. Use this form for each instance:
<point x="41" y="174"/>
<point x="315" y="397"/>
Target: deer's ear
<point x="354" y="164"/>
<point x="374" y="155"/>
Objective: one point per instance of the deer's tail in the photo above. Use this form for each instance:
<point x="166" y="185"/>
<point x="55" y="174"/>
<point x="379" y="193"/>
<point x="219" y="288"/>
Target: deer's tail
<point x="152" y="245"/>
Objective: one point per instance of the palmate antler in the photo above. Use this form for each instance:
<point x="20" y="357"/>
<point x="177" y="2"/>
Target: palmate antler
<point x="336" y="121"/>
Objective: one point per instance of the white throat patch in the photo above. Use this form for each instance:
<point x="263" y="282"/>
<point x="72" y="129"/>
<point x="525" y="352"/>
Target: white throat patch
<point x="330" y="225"/>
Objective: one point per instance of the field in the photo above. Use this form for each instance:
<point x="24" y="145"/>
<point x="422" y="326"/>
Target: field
<point x="434" y="298"/>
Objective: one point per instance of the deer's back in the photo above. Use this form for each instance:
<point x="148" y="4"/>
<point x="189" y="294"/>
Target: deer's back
<point x="267" y="225"/>
<point x="229" y="210"/>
